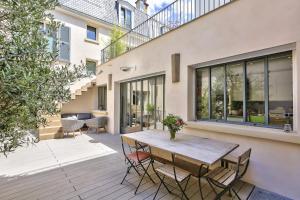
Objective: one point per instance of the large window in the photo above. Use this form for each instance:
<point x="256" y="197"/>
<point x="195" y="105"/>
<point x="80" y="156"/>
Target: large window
<point x="256" y="91"/>
<point x="102" y="98"/>
<point x="126" y="18"/>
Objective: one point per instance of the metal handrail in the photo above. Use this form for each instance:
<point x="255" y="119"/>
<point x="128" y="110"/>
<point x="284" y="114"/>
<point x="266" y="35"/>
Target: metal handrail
<point x="171" y="17"/>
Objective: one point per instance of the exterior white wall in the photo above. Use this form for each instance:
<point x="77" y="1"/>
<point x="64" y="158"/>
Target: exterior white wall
<point x="240" y="27"/>
<point x="85" y="103"/>
<point x="80" y="48"/>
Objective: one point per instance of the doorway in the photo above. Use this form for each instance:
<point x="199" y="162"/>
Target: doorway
<point x="142" y="104"/>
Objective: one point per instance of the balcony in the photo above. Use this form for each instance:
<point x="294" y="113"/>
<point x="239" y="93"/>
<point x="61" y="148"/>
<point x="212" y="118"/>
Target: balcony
<point x="173" y="16"/>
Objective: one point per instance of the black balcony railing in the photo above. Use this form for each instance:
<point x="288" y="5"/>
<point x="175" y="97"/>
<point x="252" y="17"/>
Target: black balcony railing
<point x="171" y="17"/>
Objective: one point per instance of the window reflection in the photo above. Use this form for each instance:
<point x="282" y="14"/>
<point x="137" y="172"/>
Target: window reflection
<point x="217" y="92"/>
<point x="235" y="84"/>
<point x="202" y="93"/>
<point x="280" y="90"/>
<point x="255" y="91"/>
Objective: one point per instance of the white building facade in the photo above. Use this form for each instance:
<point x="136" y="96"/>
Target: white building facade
<point x="237" y="80"/>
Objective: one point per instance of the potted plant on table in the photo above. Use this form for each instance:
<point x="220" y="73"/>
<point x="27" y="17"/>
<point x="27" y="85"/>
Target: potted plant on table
<point x="174" y="124"/>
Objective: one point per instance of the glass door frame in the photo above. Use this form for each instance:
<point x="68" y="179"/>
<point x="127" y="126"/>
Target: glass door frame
<point x="142" y="120"/>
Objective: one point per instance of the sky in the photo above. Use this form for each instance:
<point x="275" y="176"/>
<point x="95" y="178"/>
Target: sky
<point x="155" y="5"/>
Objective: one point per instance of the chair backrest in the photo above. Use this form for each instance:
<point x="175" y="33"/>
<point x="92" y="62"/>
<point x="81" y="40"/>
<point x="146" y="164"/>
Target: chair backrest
<point x="159" y="154"/>
<point x="245" y="157"/>
<point x="130" y="142"/>
<point x="243" y="162"/>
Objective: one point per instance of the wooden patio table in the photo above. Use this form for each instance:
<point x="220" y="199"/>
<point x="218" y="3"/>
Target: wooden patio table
<point x="203" y="150"/>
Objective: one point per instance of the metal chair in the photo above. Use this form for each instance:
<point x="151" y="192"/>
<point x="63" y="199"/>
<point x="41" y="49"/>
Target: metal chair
<point x="196" y="168"/>
<point x="170" y="170"/>
<point x="232" y="159"/>
<point x="136" y="157"/>
<point x="224" y="178"/>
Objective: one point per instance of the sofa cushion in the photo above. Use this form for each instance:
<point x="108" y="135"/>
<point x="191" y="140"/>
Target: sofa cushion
<point x="69" y="115"/>
<point x="82" y="116"/>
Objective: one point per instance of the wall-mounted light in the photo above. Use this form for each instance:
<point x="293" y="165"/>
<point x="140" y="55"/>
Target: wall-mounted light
<point x="126" y="68"/>
<point x="100" y="72"/>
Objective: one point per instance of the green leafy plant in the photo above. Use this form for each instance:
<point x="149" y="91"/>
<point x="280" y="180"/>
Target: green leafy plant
<point x="117" y="46"/>
<point x="150" y="108"/>
<point x="32" y="83"/>
<point x="174" y="124"/>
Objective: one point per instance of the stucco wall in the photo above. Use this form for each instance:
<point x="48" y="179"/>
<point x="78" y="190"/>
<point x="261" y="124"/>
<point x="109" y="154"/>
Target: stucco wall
<point x="241" y="27"/>
<point x="80" y="48"/>
<point x="85" y="103"/>
<point x="80" y="51"/>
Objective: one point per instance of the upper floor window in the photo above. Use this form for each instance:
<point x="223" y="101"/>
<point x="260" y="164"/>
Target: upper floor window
<point x="91" y="33"/>
<point x="126" y="18"/>
<point x="58" y="41"/>
<point x="257" y="91"/>
<point x="91" y="67"/>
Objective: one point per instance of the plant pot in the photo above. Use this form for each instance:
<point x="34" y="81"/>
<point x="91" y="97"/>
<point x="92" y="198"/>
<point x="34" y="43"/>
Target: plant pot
<point x="172" y="135"/>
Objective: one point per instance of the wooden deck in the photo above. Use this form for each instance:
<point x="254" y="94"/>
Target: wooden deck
<point x="96" y="179"/>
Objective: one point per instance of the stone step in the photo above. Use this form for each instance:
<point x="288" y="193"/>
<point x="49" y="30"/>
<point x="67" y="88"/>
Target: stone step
<point x="50" y="129"/>
<point x="53" y="117"/>
<point x="48" y="136"/>
<point x="53" y="123"/>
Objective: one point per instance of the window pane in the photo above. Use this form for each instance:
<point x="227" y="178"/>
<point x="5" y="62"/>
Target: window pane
<point x="235" y="83"/>
<point x="159" y="101"/>
<point x="91" y="33"/>
<point x="202" y="93"/>
<point x="217" y="92"/>
<point x="102" y="95"/>
<point x="255" y="92"/>
<point x="90" y="67"/>
<point x="280" y="89"/>
<point x="128" y="19"/>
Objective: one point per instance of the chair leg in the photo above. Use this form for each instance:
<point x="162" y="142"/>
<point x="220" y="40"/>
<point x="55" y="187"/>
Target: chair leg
<point x="127" y="172"/>
<point x="183" y="190"/>
<point x="145" y="172"/>
<point x="161" y="182"/>
<point x="200" y="188"/>
<point x="212" y="187"/>
<point x="236" y="194"/>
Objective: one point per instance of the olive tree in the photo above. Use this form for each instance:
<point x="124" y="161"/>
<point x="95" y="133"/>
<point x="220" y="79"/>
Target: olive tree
<point x="32" y="83"/>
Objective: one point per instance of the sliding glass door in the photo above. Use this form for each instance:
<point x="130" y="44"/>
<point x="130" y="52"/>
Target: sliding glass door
<point x="142" y="104"/>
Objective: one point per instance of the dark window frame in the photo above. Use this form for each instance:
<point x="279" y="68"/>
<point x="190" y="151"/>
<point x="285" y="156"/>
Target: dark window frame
<point x="266" y="91"/>
<point x="102" y="98"/>
<point x="91" y="30"/>
<point x="124" y="12"/>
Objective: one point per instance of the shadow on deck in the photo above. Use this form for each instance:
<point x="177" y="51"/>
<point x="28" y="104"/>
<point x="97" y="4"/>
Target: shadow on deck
<point x="97" y="178"/>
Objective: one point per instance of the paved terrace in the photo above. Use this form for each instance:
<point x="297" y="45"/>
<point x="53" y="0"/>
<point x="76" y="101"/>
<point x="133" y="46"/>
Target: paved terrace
<point x="86" y="167"/>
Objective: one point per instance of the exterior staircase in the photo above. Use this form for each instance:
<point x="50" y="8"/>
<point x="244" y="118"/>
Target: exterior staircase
<point x="54" y="129"/>
<point x="81" y="87"/>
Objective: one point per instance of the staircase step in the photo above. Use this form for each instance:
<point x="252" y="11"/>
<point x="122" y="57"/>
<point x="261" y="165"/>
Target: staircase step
<point x="53" y="123"/>
<point x="50" y="129"/>
<point x="73" y="96"/>
<point x="48" y="136"/>
<point x="53" y="117"/>
<point x="78" y="92"/>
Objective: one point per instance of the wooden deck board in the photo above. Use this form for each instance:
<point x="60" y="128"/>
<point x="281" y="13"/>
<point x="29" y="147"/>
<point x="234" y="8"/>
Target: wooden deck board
<point x="98" y="178"/>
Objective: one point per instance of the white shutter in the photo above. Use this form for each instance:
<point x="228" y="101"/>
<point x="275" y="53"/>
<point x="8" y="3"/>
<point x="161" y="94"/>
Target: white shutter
<point x="64" y="44"/>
